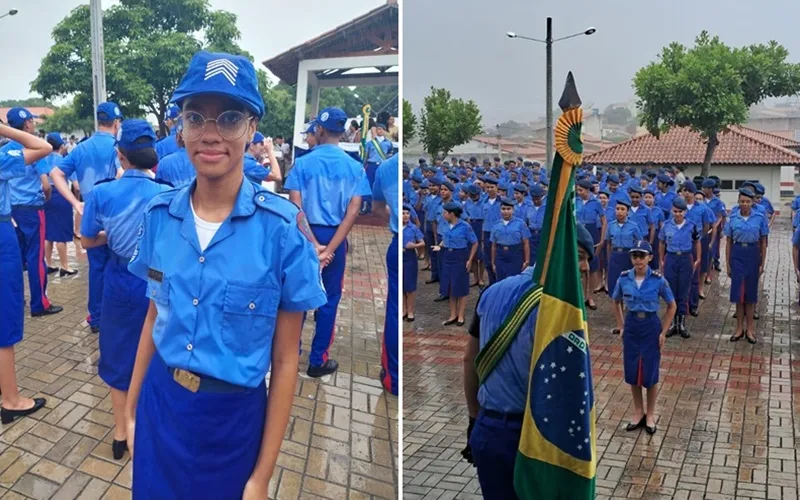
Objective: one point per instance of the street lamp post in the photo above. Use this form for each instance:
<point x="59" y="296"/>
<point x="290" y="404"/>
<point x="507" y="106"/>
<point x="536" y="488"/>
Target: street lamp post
<point x="12" y="12"/>
<point x="548" y="41"/>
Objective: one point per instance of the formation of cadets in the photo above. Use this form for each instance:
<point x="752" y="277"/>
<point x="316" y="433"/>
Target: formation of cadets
<point x="502" y="206"/>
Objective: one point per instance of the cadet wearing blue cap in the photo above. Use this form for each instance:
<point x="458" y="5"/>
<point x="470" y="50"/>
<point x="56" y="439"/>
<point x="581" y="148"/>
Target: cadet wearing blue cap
<point x="177" y="168"/>
<point x="610" y="213"/>
<point x="717" y="207"/>
<point x="413" y="240"/>
<point x="457" y="251"/>
<point x="329" y="185"/>
<point x="764" y="202"/>
<point x="491" y="215"/>
<point x="745" y="253"/>
<point x="13" y="164"/>
<point x="259" y="160"/>
<point x="386" y="194"/>
<point x="378" y="150"/>
<point x="59" y="221"/>
<point x="622" y="235"/>
<point x="657" y="220"/>
<point x="665" y="194"/>
<point x="703" y="218"/>
<point x="230" y="270"/>
<point x="680" y="248"/>
<point x="510" y="243"/>
<point x="169" y="144"/>
<point x="92" y="161"/>
<point x="535" y="218"/>
<point x="643" y="334"/>
<point x="497" y="406"/>
<point x="28" y="196"/>
<point x="432" y="205"/>
<point x="522" y="204"/>
<point x="446" y="190"/>
<point x="590" y="213"/>
<point x="474" y="211"/>
<point x="112" y="216"/>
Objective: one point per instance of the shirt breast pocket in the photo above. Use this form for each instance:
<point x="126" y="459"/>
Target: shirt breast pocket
<point x="249" y="313"/>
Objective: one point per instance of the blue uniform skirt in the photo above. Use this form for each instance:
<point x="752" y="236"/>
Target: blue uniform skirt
<point x="409" y="271"/>
<point x="594" y="265"/>
<point x="199" y="445"/>
<point x="619" y="260"/>
<point x="656" y="254"/>
<point x="745" y="261"/>
<point x="508" y="260"/>
<point x="705" y="257"/>
<point x="477" y="227"/>
<point x="487" y="253"/>
<point x="536" y="234"/>
<point x="453" y="277"/>
<point x="58" y="219"/>
<point x="602" y="259"/>
<point x="124" y="308"/>
<point x="12" y="289"/>
<point x="640" y="352"/>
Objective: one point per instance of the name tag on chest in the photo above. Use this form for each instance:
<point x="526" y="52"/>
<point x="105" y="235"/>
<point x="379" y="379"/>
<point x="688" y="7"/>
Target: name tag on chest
<point x="155" y="275"/>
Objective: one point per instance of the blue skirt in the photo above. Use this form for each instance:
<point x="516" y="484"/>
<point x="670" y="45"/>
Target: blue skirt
<point x="745" y="262"/>
<point x="199" y="445"/>
<point x="124" y="309"/>
<point x="58" y="219"/>
<point x="619" y="261"/>
<point x="705" y="256"/>
<point x="656" y="254"/>
<point x="409" y="271"/>
<point x="454" y="277"/>
<point x="12" y="289"/>
<point x="594" y="264"/>
<point x="477" y="227"/>
<point x="508" y="260"/>
<point x="640" y="352"/>
<point x="536" y="234"/>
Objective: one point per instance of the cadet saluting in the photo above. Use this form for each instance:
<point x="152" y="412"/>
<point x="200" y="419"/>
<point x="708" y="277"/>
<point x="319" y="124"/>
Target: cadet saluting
<point x="643" y="335"/>
<point x="328" y="185"/>
<point x="12" y="290"/>
<point x="230" y="270"/>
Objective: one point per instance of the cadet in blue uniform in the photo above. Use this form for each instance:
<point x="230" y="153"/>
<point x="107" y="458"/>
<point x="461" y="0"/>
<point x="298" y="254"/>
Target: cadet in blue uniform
<point x="665" y="194"/>
<point x="457" y="250"/>
<point x="230" y="270"/>
<point x="510" y="243"/>
<point x="385" y="196"/>
<point x="522" y="203"/>
<point x="93" y="160"/>
<point x="702" y="217"/>
<point x="473" y="209"/>
<point x="535" y="218"/>
<point x="13" y="164"/>
<point x="589" y="212"/>
<point x="432" y="205"/>
<point x="169" y="144"/>
<point x="377" y="150"/>
<point x="610" y="214"/>
<point x="446" y="191"/>
<point x="413" y="240"/>
<point x="657" y="220"/>
<point x="328" y="184"/>
<point x="680" y="248"/>
<point x="745" y="252"/>
<point x="57" y="214"/>
<point x="497" y="407"/>
<point x="176" y="168"/>
<point x="28" y="195"/>
<point x="112" y="216"/>
<point x="491" y="215"/>
<point x="643" y="334"/>
<point x="717" y="208"/>
<point x="622" y="235"/>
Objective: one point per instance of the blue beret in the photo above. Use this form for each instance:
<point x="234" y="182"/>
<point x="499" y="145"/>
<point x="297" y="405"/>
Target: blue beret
<point x="452" y="177"/>
<point x="641" y="246"/>
<point x="698" y="180"/>
<point x="585" y="240"/>
<point x="613" y="178"/>
<point x="537" y="191"/>
<point x="417" y="177"/>
<point x="636" y="189"/>
<point x="665" y="179"/>
<point x="508" y="202"/>
<point x="709" y="183"/>
<point x="544" y="182"/>
<point x="521" y="188"/>
<point x="472" y="189"/>
<point x="760" y="189"/>
<point x="623" y="200"/>
<point x="679" y="203"/>
<point x="689" y="186"/>
<point x="133" y="130"/>
<point x="649" y="191"/>
<point x="747" y="192"/>
<point x="425" y="184"/>
<point x="436" y="181"/>
<point x="406" y="206"/>
<point x="490" y="180"/>
<point x="480" y="170"/>
<point x="585" y="184"/>
<point x="449" y="185"/>
<point x="453" y="206"/>
<point x="503" y="186"/>
<point x="605" y="192"/>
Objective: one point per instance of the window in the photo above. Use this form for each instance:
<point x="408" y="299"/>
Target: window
<point x="738" y="184"/>
<point x="726" y="185"/>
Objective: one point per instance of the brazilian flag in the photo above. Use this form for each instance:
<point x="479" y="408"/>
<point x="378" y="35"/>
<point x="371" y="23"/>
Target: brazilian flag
<point x="557" y="456"/>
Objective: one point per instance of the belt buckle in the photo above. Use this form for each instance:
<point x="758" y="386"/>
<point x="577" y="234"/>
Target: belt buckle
<point x="188" y="380"/>
<point x="744" y="244"/>
<point x="505" y="248"/>
<point x="678" y="253"/>
<point x="641" y="315"/>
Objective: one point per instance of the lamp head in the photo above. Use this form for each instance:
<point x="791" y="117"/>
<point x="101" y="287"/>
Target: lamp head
<point x="590" y="31"/>
<point x="511" y="34"/>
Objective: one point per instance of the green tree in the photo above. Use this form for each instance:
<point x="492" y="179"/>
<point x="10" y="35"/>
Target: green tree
<point x="409" y="129"/>
<point x="711" y="86"/>
<point x="279" y="100"/>
<point x="31" y="102"/>
<point x="68" y="119"/>
<point x="447" y="122"/>
<point x="617" y="115"/>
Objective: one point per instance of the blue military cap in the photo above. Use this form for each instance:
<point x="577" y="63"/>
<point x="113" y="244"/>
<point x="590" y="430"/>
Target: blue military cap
<point x="221" y="74"/>
<point x="55" y="139"/>
<point x="417" y="177"/>
<point x="495" y="170"/>
<point x="452" y="206"/>
<point x="679" y="203"/>
<point x="490" y="180"/>
<point x="760" y="189"/>
<point x="649" y="191"/>
<point x="689" y="186"/>
<point x="109" y="111"/>
<point x="747" y="192"/>
<point x="332" y="119"/>
<point x="380" y="125"/>
<point x="311" y="127"/>
<point x="715" y="178"/>
<point x="537" y="191"/>
<point x="613" y="178"/>
<point x="508" y="202"/>
<point x="665" y="179"/>
<point x="585" y="240"/>
<point x="424" y="184"/>
<point x="480" y="170"/>
<point x="651" y="174"/>
<point x="173" y="112"/>
<point x="132" y="131"/>
<point x="449" y="185"/>
<point x="585" y="184"/>
<point x="623" y="200"/>
<point x="16" y="117"/>
<point x="641" y="246"/>
<point x="636" y="189"/>
<point x="605" y="192"/>
<point x="749" y="184"/>
<point x="436" y="181"/>
<point x="428" y="168"/>
<point x="503" y="186"/>
<point x="258" y="138"/>
<point x="406" y="206"/>
<point x="452" y="177"/>
<point x="709" y="183"/>
<point x="521" y="188"/>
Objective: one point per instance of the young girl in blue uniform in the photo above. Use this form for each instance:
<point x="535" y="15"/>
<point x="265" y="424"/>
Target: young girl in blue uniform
<point x="510" y="243"/>
<point x="413" y="240"/>
<point x="58" y="215"/>
<point x="609" y="212"/>
<point x="590" y="213"/>
<point x="622" y="235"/>
<point x="230" y="270"/>
<point x="657" y="220"/>
<point x="456" y="252"/>
<point x="643" y="335"/>
<point x="745" y="251"/>
<point x="112" y="217"/>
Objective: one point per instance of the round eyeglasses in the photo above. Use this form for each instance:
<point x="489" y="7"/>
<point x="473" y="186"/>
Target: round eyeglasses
<point x="231" y="125"/>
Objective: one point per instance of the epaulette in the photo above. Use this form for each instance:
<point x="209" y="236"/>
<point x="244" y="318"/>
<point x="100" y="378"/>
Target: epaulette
<point x="625" y="272"/>
<point x="104" y="181"/>
<point x="162" y="199"/>
<point x="276" y="204"/>
<point x="656" y="273"/>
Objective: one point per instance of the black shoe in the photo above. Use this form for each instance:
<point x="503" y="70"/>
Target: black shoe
<point x="449" y="322"/>
<point x="51" y="270"/>
<point x="327" y="368"/>
<point x="95" y="329"/>
<point x="118" y="448"/>
<point x="8" y="416"/>
<point x="682" y="327"/>
<point x="755" y="315"/>
<point x="633" y="427"/>
<point x="47" y="312"/>
<point x="430" y="281"/>
<point x="459" y="323"/>
<point x="673" y="329"/>
<point x="751" y="340"/>
<point x="411" y="319"/>
<point x="63" y="272"/>
<point x="441" y="298"/>
<point x="735" y="338"/>
<point x="650" y="430"/>
<point x="694" y="312"/>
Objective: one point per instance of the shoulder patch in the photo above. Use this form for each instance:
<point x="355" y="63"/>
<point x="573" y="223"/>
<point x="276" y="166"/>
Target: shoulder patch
<point x="302" y="225"/>
<point x="276" y="204"/>
<point x="625" y="272"/>
<point x="104" y="181"/>
<point x="655" y="273"/>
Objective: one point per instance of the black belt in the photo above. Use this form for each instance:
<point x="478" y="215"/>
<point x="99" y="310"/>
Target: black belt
<point x="196" y="382"/>
<point x="620" y="249"/>
<point x="499" y="415"/>
<point x="738" y="244"/>
<point x="5" y="218"/>
<point x="680" y="253"/>
<point x="475" y="220"/>
<point x="642" y="314"/>
<point x="32" y="208"/>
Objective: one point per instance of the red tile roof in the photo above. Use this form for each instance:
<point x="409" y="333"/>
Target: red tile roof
<point x="681" y="146"/>
<point x="777" y="138"/>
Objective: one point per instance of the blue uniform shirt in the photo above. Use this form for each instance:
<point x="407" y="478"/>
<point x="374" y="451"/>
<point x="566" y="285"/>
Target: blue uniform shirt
<point x="474" y="209"/>
<point x="700" y="214"/>
<point x="117" y="207"/>
<point x="93" y="160"/>
<point x="373" y="156"/>
<point x="259" y="262"/>
<point x="521" y="210"/>
<point x="796" y="208"/>
<point x="167" y="145"/>
<point x="254" y="171"/>
<point x="12" y="166"/>
<point x="748" y="230"/>
<point x="491" y="213"/>
<point x="716" y="206"/>
<point x="642" y="219"/>
<point x="460" y="235"/>
<point x="767" y="206"/>
<point x="411" y="234"/>
<point x="664" y="201"/>
<point x="510" y="234"/>
<point x="535" y="217"/>
<point x="642" y="298"/>
<point x="623" y="235"/>
<point x="327" y="179"/>
<point x="176" y="168"/>
<point x="679" y="239"/>
<point x="589" y="212"/>
<point x="432" y="209"/>
<point x="27" y="190"/>
<point x="656" y="218"/>
<point x="611" y="215"/>
<point x="385" y="189"/>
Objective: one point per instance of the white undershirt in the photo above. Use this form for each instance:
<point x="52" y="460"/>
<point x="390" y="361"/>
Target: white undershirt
<point x="680" y="226"/>
<point x="205" y="230"/>
<point x="639" y="282"/>
<point x="505" y="222"/>
<point x="634" y="209"/>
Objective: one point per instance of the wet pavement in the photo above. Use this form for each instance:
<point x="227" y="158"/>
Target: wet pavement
<point x="728" y="413"/>
<point x="341" y="442"/>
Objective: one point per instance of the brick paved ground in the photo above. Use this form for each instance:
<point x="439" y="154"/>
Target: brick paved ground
<point x="341" y="442"/>
<point x="729" y="414"/>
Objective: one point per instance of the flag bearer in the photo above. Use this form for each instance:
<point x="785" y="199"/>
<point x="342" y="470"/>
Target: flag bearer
<point x="510" y="243"/>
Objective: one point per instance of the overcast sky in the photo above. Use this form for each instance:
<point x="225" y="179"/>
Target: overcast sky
<point x="461" y="45"/>
<point x="266" y="31"/>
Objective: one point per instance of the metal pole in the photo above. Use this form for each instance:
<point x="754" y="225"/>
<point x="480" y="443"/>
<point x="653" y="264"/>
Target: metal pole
<point x="98" y="55"/>
<point x="549" y="115"/>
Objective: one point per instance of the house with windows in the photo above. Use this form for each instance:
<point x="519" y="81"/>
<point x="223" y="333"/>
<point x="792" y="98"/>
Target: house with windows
<point x="742" y="154"/>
